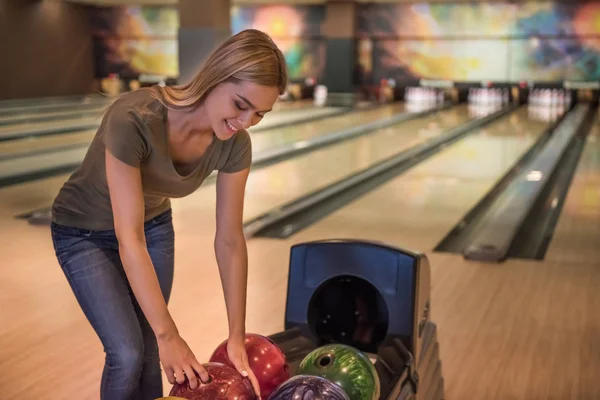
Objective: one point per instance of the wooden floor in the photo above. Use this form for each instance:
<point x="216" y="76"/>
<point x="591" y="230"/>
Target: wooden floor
<point x="517" y="330"/>
<point x="520" y="330"/>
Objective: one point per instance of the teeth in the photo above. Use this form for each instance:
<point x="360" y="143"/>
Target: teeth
<point x="231" y="126"/>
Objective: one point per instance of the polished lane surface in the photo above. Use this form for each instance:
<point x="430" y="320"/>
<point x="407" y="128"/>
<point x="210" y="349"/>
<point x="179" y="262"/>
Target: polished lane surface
<point x="29" y="145"/>
<point x="73" y="112"/>
<point x="51" y="116"/>
<point x="577" y="234"/>
<point x="273" y="186"/>
<point x="20" y="130"/>
<point x="33" y="161"/>
<point x="50" y="100"/>
<point x="26" y="145"/>
<point x="80" y="105"/>
<point x="418" y="208"/>
<point x="281" y="183"/>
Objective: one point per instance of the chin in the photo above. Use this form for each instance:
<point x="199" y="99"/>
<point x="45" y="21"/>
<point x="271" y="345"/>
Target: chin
<point x="224" y="135"/>
<point x="224" y="131"/>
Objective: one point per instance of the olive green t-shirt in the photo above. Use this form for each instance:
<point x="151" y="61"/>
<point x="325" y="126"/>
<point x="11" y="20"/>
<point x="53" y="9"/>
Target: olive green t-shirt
<point x="134" y="130"/>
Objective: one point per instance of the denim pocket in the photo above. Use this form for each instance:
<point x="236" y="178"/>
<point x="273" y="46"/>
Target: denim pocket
<point x="70" y="242"/>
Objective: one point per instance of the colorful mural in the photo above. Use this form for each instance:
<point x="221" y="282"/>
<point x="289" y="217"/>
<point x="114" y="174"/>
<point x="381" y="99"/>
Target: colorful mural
<point x="279" y="21"/>
<point x="455" y="41"/>
<point x="474" y="41"/>
<point x="143" y="40"/>
<point x="461" y="60"/>
<point x="433" y="20"/>
<point x="135" y="40"/>
<point x="295" y="29"/>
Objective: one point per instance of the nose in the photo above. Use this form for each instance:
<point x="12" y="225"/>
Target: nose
<point x="245" y="120"/>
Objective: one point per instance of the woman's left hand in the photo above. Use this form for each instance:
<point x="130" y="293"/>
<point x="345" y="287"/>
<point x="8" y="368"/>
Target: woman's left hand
<point x="236" y="351"/>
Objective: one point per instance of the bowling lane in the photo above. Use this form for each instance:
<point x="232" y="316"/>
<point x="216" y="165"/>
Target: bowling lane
<point x="50" y="100"/>
<point x="72" y="146"/>
<point x="577" y="233"/>
<point x="292" y="114"/>
<point x="281" y="183"/>
<point x="310" y="130"/>
<point x="28" y="146"/>
<point x="84" y="104"/>
<point x="41" y="115"/>
<point x="12" y="197"/>
<point x="87" y="121"/>
<point x="49" y="116"/>
<point x="72" y="155"/>
<point x="83" y="137"/>
<point x="417" y="209"/>
<point x="281" y="105"/>
<point x="26" y="129"/>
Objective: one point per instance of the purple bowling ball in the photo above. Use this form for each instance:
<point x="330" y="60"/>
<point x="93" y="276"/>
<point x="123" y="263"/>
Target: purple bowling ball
<point x="307" y="387"/>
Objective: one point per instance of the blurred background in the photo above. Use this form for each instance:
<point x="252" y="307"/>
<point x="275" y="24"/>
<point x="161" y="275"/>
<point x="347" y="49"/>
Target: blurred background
<point x="455" y="144"/>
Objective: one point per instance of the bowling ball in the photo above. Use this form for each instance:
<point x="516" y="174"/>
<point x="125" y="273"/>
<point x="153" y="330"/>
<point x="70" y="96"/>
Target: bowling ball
<point x="224" y="383"/>
<point x="347" y="367"/>
<point x="265" y="358"/>
<point x="170" y="398"/>
<point x="308" y="387"/>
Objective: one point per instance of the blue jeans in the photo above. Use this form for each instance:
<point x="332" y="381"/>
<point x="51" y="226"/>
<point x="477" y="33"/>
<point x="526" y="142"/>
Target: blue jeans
<point x="91" y="263"/>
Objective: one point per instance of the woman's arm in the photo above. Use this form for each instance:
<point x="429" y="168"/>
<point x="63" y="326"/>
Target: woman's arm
<point x="232" y="258"/>
<point x="125" y="188"/>
<point x="230" y="247"/>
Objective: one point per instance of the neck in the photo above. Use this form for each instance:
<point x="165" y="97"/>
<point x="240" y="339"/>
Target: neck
<point x="185" y="123"/>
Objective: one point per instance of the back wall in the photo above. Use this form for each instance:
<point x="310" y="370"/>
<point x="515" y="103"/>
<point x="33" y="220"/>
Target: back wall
<point x="46" y="49"/>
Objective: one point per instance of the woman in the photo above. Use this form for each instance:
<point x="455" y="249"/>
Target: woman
<point x="112" y="228"/>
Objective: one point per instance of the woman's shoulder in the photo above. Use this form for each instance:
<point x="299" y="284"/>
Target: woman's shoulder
<point x="142" y="101"/>
<point x="134" y="114"/>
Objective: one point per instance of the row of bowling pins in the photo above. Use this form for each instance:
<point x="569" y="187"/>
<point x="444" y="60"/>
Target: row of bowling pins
<point x="550" y="97"/>
<point x="488" y="96"/>
<point x="545" y="113"/>
<point x="480" y="110"/>
<point x="424" y="95"/>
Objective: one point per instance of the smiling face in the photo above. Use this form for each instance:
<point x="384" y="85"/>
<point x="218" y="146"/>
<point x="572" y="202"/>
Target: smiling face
<point x="231" y="107"/>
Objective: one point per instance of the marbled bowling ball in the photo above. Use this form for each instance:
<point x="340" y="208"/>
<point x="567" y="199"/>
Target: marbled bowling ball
<point x="265" y="358"/>
<point x="170" y="398"/>
<point x="308" y="387"/>
<point x="225" y="383"/>
<point x="345" y="366"/>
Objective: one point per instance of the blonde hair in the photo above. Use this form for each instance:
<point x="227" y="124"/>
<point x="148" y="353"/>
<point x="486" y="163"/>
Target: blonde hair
<point x="250" y="55"/>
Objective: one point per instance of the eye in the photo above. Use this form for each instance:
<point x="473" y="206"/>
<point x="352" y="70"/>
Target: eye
<point x="239" y="106"/>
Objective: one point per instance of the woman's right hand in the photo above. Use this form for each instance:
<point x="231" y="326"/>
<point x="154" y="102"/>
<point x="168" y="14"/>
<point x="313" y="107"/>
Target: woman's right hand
<point x="179" y="361"/>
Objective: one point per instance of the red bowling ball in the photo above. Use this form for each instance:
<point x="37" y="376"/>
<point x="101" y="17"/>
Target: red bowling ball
<point x="225" y="383"/>
<point x="265" y="358"/>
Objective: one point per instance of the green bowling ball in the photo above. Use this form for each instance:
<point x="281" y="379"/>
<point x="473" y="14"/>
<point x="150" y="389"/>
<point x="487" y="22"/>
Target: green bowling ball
<point x="347" y="367"/>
